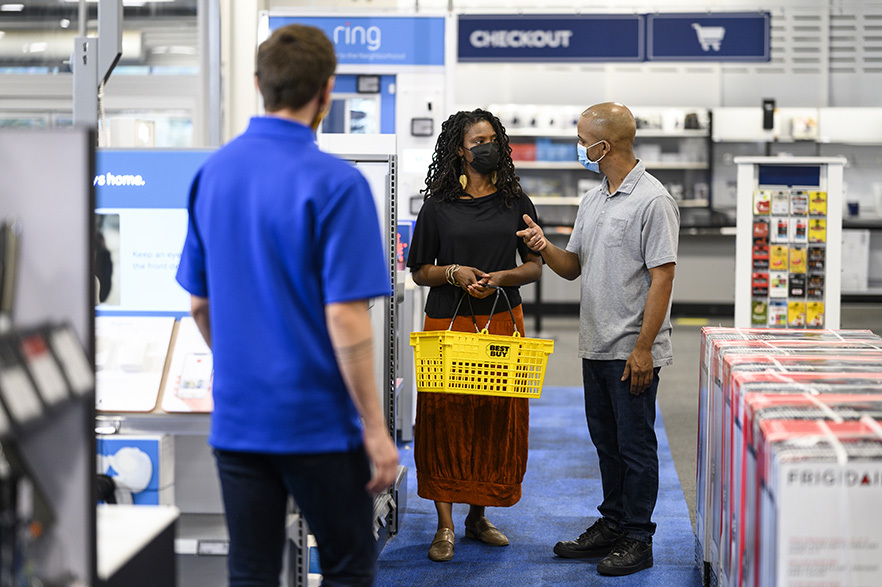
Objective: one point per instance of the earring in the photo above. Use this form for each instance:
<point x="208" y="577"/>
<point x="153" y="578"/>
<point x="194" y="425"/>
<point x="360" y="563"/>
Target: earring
<point x="463" y="180"/>
<point x="493" y="177"/>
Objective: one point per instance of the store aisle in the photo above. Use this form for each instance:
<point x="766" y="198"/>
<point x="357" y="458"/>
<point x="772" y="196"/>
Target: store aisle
<point x="560" y="493"/>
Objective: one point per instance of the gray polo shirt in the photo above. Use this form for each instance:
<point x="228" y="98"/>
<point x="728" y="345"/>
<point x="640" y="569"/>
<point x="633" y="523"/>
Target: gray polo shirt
<point x="618" y="238"/>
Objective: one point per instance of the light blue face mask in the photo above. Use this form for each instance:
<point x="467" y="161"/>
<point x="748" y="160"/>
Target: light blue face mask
<point x="585" y="161"/>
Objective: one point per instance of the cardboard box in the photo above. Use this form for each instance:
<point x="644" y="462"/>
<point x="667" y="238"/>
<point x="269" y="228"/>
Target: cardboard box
<point x="710" y="415"/>
<point x="791" y="395"/>
<point x="730" y="436"/>
<point x="819" y="517"/>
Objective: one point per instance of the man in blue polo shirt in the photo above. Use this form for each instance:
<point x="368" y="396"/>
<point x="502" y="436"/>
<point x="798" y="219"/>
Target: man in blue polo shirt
<point x="283" y="251"/>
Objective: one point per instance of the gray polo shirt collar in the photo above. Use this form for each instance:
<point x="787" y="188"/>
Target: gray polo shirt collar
<point x="628" y="185"/>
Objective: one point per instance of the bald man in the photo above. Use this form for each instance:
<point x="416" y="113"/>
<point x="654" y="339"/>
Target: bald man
<point x="624" y="247"/>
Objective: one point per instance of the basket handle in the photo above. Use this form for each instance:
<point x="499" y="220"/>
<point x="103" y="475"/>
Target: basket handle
<point x="499" y="290"/>
<point x="462" y="294"/>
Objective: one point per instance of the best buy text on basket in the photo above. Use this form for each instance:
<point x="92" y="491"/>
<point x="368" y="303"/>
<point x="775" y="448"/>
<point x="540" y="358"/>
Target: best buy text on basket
<point x="480" y="363"/>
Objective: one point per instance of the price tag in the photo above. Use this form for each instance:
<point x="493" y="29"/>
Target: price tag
<point x="213" y="547"/>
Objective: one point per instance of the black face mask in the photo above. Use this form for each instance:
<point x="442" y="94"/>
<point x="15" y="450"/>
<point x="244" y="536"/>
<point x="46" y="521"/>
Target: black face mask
<point x="486" y="157"/>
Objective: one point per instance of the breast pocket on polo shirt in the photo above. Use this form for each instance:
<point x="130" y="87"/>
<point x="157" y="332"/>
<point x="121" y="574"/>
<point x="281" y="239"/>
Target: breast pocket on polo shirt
<point x="614" y="231"/>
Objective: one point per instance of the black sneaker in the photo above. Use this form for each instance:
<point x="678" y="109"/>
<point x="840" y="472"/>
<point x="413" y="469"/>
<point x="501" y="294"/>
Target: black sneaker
<point x="628" y="556"/>
<point x="598" y="540"/>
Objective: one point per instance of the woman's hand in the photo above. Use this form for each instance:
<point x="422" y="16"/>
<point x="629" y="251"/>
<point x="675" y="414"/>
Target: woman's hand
<point x="481" y="289"/>
<point x="467" y="277"/>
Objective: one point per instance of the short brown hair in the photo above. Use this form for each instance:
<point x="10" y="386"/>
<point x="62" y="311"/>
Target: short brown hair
<point x="293" y="65"/>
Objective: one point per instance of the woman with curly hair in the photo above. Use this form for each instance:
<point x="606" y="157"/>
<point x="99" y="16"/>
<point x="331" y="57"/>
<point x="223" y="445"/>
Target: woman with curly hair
<point x="471" y="449"/>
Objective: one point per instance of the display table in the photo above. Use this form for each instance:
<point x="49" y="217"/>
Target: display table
<point x="136" y="545"/>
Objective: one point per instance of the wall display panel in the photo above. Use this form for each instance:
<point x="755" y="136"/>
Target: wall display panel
<point x="141" y="208"/>
<point x="143" y="322"/>
<point x="788" y="242"/>
<point x="141" y="224"/>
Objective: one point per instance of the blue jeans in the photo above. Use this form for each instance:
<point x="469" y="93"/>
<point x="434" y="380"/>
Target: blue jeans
<point x="329" y="490"/>
<point x="622" y="428"/>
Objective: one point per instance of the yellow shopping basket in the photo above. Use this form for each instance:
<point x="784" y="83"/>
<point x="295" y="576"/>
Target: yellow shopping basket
<point x="478" y="362"/>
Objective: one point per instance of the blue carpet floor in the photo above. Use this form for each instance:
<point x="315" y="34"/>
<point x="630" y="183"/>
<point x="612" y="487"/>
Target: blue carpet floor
<point x="561" y="491"/>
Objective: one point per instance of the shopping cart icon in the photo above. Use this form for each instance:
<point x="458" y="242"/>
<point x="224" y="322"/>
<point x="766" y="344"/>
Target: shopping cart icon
<point x="710" y="37"/>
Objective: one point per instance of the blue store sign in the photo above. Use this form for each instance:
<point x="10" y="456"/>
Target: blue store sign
<point x="721" y="36"/>
<point x="608" y="37"/>
<point x="379" y="40"/>
<point x="145" y="178"/>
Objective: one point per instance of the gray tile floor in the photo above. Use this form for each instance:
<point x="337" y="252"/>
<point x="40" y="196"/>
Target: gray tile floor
<point x="678" y="391"/>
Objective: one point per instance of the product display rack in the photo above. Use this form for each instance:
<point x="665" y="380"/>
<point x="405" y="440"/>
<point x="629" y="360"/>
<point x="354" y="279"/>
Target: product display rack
<point x="788" y="242"/>
<point x="673" y="143"/>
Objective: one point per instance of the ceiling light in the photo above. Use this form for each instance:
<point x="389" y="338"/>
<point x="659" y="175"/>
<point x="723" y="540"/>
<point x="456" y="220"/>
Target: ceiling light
<point x="11" y="7"/>
<point x="35" y="48"/>
<point x="174" y="50"/>
<point x="127" y="2"/>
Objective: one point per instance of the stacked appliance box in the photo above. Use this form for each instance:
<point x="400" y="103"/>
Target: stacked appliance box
<point x="727" y="353"/>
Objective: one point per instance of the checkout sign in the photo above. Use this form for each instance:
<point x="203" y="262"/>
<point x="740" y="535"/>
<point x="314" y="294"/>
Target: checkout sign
<point x="735" y="36"/>
<point x="609" y="37"/>
<point x="606" y="37"/>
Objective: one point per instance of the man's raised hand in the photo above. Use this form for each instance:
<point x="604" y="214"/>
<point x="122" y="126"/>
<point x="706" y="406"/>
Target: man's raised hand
<point x="533" y="235"/>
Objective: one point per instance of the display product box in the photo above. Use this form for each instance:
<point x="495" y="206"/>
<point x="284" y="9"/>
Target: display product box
<point x="709" y="414"/>
<point x="819" y="517"/>
<point x="403" y="238"/>
<point x="142" y="465"/>
<point x="725" y="433"/>
<point x="810" y="388"/>
<point x="765" y="408"/>
<point x="523" y="151"/>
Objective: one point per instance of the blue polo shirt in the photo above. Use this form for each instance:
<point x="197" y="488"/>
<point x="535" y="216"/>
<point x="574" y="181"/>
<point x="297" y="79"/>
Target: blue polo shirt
<point x="277" y="230"/>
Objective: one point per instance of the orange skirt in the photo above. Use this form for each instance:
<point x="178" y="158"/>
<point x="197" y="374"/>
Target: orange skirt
<point x="472" y="448"/>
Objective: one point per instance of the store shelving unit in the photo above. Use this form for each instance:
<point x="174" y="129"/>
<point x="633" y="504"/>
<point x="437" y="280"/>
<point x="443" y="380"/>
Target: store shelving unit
<point x="650" y="166"/>
<point x="674" y="144"/>
<point x="51" y="287"/>
<point x="788" y="242"/>
<point x="852" y="133"/>
<point x="543" y="145"/>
